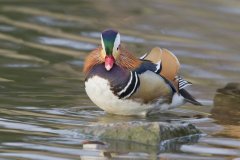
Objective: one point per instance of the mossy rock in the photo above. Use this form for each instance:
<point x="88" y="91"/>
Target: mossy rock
<point x="149" y="133"/>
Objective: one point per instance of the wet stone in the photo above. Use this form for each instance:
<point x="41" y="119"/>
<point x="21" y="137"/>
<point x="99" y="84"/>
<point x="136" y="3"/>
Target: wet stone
<point x="226" y="101"/>
<point x="231" y="89"/>
<point x="149" y="133"/>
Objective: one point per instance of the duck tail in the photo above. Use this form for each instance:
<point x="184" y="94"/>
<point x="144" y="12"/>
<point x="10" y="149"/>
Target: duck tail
<point x="189" y="98"/>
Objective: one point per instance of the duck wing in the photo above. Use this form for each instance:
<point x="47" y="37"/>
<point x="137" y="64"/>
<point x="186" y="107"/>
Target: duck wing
<point x="167" y="65"/>
<point x="169" y="62"/>
<point x="152" y="85"/>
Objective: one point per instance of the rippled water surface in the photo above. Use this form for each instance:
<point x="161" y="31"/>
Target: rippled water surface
<point x="42" y="97"/>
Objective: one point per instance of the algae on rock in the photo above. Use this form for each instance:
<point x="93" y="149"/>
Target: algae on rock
<point x="149" y="133"/>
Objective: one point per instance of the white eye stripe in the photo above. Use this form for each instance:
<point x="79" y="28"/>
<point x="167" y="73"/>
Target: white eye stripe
<point x="116" y="43"/>
<point x="103" y="45"/>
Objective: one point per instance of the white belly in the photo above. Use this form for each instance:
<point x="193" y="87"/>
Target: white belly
<point x="98" y="90"/>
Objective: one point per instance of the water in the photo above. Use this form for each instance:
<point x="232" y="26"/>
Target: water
<point x="42" y="97"/>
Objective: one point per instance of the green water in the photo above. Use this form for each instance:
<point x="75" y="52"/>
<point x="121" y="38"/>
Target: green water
<point x="42" y="48"/>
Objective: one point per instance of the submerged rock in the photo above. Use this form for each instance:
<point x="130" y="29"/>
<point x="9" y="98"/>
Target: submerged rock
<point x="226" y="104"/>
<point x="231" y="89"/>
<point x="226" y="110"/>
<point x="229" y="95"/>
<point x="149" y="133"/>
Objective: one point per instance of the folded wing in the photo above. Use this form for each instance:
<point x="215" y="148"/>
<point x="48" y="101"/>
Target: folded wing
<point x="168" y="68"/>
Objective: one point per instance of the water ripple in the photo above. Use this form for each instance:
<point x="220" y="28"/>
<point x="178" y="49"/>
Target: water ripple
<point x="66" y="43"/>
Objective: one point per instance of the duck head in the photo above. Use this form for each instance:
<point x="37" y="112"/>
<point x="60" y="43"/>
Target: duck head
<point x="110" y="40"/>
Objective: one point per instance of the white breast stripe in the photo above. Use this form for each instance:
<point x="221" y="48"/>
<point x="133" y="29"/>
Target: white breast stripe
<point x="142" y="57"/>
<point x="126" y="87"/>
<point x="158" y="66"/>
<point x="135" y="74"/>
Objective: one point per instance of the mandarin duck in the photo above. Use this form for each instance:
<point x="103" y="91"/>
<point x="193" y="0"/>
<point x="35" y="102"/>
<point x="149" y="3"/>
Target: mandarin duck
<point x="120" y="83"/>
